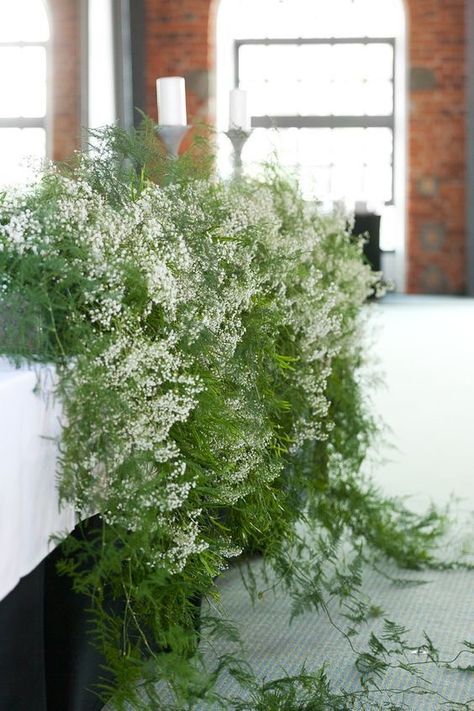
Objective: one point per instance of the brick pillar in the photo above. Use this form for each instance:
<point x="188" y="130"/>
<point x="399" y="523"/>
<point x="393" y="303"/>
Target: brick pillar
<point x="437" y="232"/>
<point x="65" y="77"/>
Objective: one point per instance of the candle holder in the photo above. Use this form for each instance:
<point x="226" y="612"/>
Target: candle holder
<point x="238" y="137"/>
<point x="171" y="137"/>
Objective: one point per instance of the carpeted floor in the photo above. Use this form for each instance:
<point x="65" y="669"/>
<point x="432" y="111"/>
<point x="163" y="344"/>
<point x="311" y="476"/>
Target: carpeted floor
<point x="443" y="607"/>
<point x="425" y="346"/>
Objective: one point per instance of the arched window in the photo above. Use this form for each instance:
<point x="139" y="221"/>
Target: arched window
<point x="326" y="89"/>
<point x="24" y="35"/>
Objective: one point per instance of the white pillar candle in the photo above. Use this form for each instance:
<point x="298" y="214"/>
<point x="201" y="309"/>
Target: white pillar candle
<point x="238" y="113"/>
<point x="171" y="97"/>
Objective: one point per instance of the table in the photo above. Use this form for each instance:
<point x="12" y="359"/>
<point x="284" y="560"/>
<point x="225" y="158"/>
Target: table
<point x="46" y="660"/>
<point x="29" y="507"/>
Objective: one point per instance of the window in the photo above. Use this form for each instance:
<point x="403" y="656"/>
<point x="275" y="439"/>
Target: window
<point x="335" y="126"/>
<point x="327" y="93"/>
<point x="24" y="34"/>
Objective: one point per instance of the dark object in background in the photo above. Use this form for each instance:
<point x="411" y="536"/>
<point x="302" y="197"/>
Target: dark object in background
<point x="369" y="223"/>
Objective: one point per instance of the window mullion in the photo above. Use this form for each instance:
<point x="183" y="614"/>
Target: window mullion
<point x="339" y="121"/>
<point x="22" y="44"/>
<point x="316" y="40"/>
<point x="23" y="122"/>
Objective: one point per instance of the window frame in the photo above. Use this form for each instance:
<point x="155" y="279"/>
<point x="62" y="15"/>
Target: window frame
<point x="44" y="122"/>
<point x="330" y="121"/>
<point x="30" y="121"/>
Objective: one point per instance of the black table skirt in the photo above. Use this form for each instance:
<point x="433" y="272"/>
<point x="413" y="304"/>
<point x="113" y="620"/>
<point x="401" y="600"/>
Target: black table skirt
<point x="47" y="660"/>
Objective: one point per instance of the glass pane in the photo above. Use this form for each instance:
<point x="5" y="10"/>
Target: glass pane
<point x="269" y="145"/>
<point x="378" y="98"/>
<point x="347" y="182"/>
<point x="33" y="143"/>
<point x="23" y="21"/>
<point x="348" y="62"/>
<point x="313" y="185"/>
<point x="339" y="164"/>
<point x="285" y="144"/>
<point x="347" y="163"/>
<point x="259" y="147"/>
<point x="348" y="146"/>
<point x="33" y="81"/>
<point x="315" y="62"/>
<point x="315" y="147"/>
<point x="320" y="79"/>
<point x="378" y="145"/>
<point x="282" y="98"/>
<point x="257" y="92"/>
<point x="22" y="81"/>
<point x="21" y="151"/>
<point x="378" y="182"/>
<point x="253" y="62"/>
<point x="282" y="62"/>
<point x="379" y="61"/>
<point x="348" y="97"/>
<point x="10" y="91"/>
<point x="315" y="97"/>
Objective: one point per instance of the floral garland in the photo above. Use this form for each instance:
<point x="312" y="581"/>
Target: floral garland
<point x="208" y="340"/>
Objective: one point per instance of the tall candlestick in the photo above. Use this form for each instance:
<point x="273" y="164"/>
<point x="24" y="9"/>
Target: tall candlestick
<point x="238" y="113"/>
<point x="171" y="97"/>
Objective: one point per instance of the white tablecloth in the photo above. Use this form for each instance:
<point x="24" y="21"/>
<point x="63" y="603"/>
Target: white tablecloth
<point x="29" y="508"/>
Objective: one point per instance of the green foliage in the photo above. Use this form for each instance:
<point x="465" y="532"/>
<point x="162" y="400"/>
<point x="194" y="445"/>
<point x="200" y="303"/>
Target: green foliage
<point x="208" y="339"/>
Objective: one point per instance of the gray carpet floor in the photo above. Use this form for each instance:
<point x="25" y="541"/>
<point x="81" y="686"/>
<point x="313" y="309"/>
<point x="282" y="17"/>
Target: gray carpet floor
<point x="443" y="607"/>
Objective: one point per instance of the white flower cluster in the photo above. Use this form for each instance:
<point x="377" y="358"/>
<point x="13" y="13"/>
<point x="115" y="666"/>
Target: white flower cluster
<point x="165" y="408"/>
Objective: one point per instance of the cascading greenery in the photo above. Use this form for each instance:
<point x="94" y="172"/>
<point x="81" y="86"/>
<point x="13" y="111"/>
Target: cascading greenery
<point x="208" y="340"/>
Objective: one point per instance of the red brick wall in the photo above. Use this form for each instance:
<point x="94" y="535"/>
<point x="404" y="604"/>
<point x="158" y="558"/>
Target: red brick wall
<point x="437" y="150"/>
<point x="66" y="77"/>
